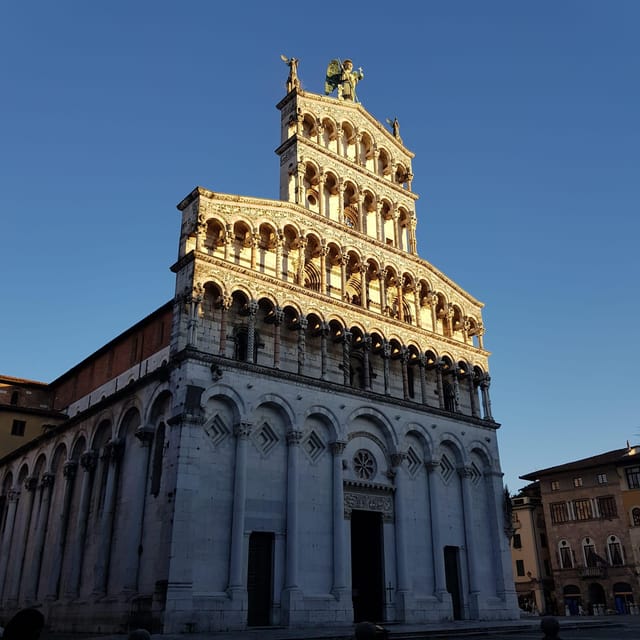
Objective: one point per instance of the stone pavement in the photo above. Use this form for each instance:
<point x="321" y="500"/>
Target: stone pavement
<point x="457" y="629"/>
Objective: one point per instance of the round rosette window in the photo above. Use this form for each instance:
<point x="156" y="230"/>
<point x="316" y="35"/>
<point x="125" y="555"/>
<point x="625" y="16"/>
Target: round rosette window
<point x="364" y="464"/>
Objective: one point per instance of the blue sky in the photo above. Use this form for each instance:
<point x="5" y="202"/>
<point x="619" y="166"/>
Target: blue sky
<point x="523" y="117"/>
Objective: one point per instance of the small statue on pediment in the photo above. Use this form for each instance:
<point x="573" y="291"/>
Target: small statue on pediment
<point x="293" y="82"/>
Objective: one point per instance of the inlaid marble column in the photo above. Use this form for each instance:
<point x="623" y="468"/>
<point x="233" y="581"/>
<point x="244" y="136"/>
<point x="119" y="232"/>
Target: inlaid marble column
<point x="18" y="551"/>
<point x="255" y="246"/>
<point x="302" y="245"/>
<point x="400" y="297"/>
<point x="60" y="542"/>
<point x="299" y="182"/>
<point x="344" y="259"/>
<point x="340" y="200"/>
<point x="278" y="317"/>
<point x="396" y="227"/>
<point x="321" y="179"/>
<point x="323" y="270"/>
<point x="456" y="391"/>
<point x="404" y="364"/>
<point x="228" y="241"/>
<point x="386" y="357"/>
<point x="379" y="223"/>
<point x="303" y="323"/>
<point x="137" y="494"/>
<point x="113" y="452"/>
<point x="324" y="336"/>
<point x="7" y="537"/>
<point x="363" y="286"/>
<point x="362" y="218"/>
<point x="486" y="401"/>
<point x="278" y="267"/>
<point x="347" y="336"/>
<point x="225" y="305"/>
<point x="440" y="385"/>
<point x="439" y="576"/>
<point x="294" y="438"/>
<point x="413" y="244"/>
<point x="88" y="461"/>
<point x="252" y="309"/>
<point x="33" y="579"/>
<point x="466" y="473"/>
<point x="422" y="363"/>
<point x="366" y="361"/>
<point x="242" y="432"/>
<point x="382" y="275"/>
<point x="339" y="542"/>
<point x="417" y="294"/>
<point x="473" y="394"/>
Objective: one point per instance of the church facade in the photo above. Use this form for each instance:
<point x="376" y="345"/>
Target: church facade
<point x="304" y="435"/>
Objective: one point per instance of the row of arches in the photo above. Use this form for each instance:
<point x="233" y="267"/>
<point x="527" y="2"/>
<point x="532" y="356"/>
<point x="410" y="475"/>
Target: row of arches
<point x="71" y="494"/>
<point x="281" y="336"/>
<point x="351" y="142"/>
<point x="341" y="273"/>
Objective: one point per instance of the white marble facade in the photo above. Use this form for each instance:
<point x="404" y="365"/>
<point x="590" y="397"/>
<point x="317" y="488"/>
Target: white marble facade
<point x="319" y="445"/>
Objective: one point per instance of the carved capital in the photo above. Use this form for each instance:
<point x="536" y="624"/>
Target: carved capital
<point x="88" y="460"/>
<point x="69" y="469"/>
<point x="13" y="495"/>
<point x="114" y="450"/>
<point x="337" y="447"/>
<point x="397" y="458"/>
<point x="242" y="430"/>
<point x="144" y="434"/>
<point x="31" y="483"/>
<point x="294" y="438"/>
<point x="47" y="480"/>
<point x="432" y="465"/>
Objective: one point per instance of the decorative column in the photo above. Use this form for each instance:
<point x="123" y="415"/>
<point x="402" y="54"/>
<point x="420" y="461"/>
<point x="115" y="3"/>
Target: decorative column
<point x="480" y="334"/>
<point x="225" y="305"/>
<point x="439" y="576"/>
<point x="400" y="300"/>
<point x="366" y="351"/>
<point x="379" y="225"/>
<point x="113" y="453"/>
<point x="69" y="471"/>
<point x="363" y="286"/>
<point x="486" y="401"/>
<point x="433" y="303"/>
<point x="339" y="543"/>
<point x="340" y="200"/>
<point x="404" y="362"/>
<point x="228" y="241"/>
<point x="413" y="245"/>
<point x="236" y="586"/>
<point x="279" y="243"/>
<point x="473" y="394"/>
<point x="252" y="309"/>
<point x="344" y="259"/>
<point x="439" y="384"/>
<point x="7" y="537"/>
<point x="323" y="269"/>
<point x="422" y="363"/>
<point x="193" y="301"/>
<point x="417" y="294"/>
<point x="302" y="245"/>
<point x="456" y="391"/>
<point x="46" y="487"/>
<point x="293" y="451"/>
<point x="88" y="462"/>
<point x="396" y="227"/>
<point x="382" y="275"/>
<point x="200" y="228"/>
<point x="278" y="317"/>
<point x="302" y="343"/>
<point x="448" y="318"/>
<point x="499" y="520"/>
<point x="300" y="184"/>
<point x="137" y="493"/>
<point x="321" y="179"/>
<point x="255" y="245"/>
<point x="466" y="474"/>
<point x="17" y="557"/>
<point x="346" y="357"/>
<point x="401" y="527"/>
<point x="386" y="356"/>
<point x="324" y="334"/>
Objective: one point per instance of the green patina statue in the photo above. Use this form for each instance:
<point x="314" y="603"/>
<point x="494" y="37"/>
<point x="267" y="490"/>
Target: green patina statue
<point x="342" y="76"/>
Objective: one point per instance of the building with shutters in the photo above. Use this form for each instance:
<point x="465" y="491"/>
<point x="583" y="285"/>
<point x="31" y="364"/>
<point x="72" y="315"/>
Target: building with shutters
<point x="303" y="435"/>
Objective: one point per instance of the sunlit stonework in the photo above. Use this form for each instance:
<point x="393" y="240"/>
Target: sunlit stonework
<point x="309" y="438"/>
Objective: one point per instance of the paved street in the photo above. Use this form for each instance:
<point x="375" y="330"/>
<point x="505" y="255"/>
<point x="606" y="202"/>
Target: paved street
<point x="614" y="628"/>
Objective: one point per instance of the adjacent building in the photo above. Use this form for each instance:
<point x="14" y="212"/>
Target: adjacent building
<point x="592" y="515"/>
<point x="302" y="436"/>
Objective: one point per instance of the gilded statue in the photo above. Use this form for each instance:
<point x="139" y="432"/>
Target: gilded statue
<point x="343" y="77"/>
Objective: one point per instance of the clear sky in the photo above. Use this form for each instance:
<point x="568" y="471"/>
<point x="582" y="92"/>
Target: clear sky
<point x="524" y="117"/>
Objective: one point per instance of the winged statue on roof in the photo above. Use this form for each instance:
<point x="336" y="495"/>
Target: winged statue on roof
<point x="343" y="77"/>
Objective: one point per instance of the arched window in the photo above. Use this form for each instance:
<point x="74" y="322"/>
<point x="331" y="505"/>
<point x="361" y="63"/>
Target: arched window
<point x="589" y="553"/>
<point x="614" y="548"/>
<point x="566" y="557"/>
<point x="635" y="516"/>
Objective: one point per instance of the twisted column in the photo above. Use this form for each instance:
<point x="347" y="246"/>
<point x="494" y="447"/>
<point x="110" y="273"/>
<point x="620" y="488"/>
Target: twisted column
<point x="346" y="357"/>
<point x="302" y="344"/>
<point x="251" y="330"/>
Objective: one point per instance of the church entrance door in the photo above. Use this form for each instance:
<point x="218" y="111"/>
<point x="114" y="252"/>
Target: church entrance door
<point x="367" y="575"/>
<point x="452" y="577"/>
<point x="260" y="579"/>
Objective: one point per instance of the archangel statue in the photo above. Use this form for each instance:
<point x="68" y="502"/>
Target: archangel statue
<point x="342" y="76"/>
<point x="293" y="82"/>
<point x="395" y="128"/>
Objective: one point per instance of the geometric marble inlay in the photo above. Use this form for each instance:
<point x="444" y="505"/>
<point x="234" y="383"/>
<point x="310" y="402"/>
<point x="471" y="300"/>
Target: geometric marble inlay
<point x="413" y="461"/>
<point x="313" y="446"/>
<point x="446" y="468"/>
<point x="217" y="431"/>
<point x="265" y="439"/>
